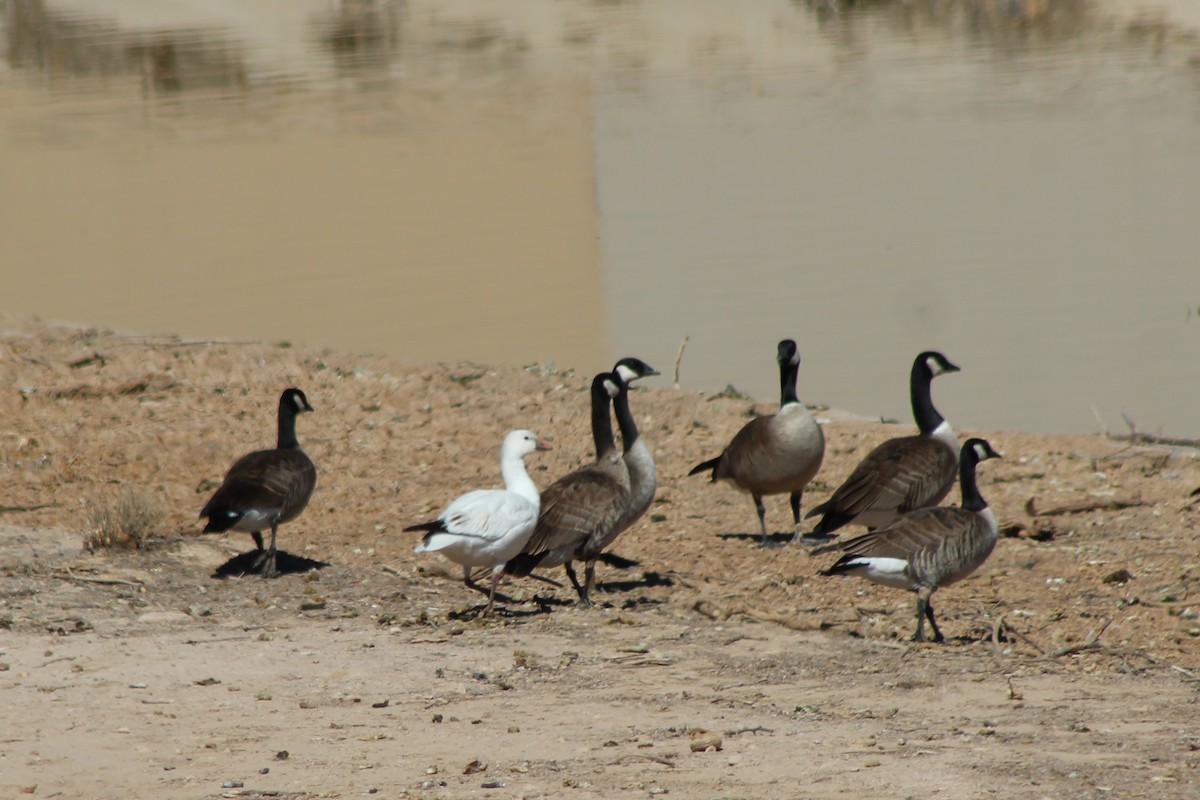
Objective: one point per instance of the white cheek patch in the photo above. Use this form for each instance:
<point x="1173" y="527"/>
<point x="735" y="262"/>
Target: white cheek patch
<point x="935" y="367"/>
<point x="611" y="388"/>
<point x="626" y="374"/>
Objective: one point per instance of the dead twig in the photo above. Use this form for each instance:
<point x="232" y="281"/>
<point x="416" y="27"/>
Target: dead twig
<point x="1099" y="504"/>
<point x="1088" y="644"/>
<point x="754" y="729"/>
<point x="666" y="762"/>
<point x="71" y="576"/>
<point x="679" y="359"/>
<point x="39" y="507"/>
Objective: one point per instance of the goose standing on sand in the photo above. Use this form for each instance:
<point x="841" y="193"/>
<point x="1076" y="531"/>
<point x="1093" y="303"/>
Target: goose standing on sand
<point x="266" y="488"/>
<point x="636" y="454"/>
<point x="487" y="527"/>
<point x="583" y="508"/>
<point x="777" y="453"/>
<point x="927" y="548"/>
<point x="902" y="474"/>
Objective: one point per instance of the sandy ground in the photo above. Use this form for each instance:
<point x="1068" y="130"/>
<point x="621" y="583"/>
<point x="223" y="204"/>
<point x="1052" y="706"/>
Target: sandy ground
<point x="1071" y="670"/>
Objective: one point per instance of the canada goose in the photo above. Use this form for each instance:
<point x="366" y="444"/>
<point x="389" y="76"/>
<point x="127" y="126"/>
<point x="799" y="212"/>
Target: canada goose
<point x="487" y="527"/>
<point x="902" y="474"/>
<point x="929" y="547"/>
<point x="583" y="508"/>
<point x="266" y="488"/>
<point x="637" y="456"/>
<point x="777" y="453"/>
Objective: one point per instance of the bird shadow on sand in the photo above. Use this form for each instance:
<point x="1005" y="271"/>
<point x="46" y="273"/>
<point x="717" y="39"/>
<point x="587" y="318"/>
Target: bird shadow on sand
<point x="285" y="563"/>
<point x="648" y="580"/>
<point x="773" y="540"/>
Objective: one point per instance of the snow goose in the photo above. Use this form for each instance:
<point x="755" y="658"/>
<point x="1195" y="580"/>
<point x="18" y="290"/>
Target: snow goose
<point x="927" y="548"/>
<point x="266" y="488"/>
<point x="583" y="508"/>
<point x="902" y="474"/>
<point x="774" y="454"/>
<point x="487" y="527"/>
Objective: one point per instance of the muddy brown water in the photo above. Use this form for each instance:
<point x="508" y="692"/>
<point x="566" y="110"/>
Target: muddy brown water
<point x="1014" y="183"/>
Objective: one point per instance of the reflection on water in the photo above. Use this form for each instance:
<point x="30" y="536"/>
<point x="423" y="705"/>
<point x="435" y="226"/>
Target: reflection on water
<point x="1013" y="181"/>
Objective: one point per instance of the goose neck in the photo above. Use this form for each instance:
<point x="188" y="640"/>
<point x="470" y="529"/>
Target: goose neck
<point x="629" y="431"/>
<point x="516" y="478"/>
<point x="788" y="374"/>
<point x="602" y="432"/>
<point x="927" y="417"/>
<point x="972" y="500"/>
<point x="286" y="438"/>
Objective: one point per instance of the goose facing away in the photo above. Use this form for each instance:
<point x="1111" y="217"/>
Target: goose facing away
<point x="902" y="474"/>
<point x="927" y="548"/>
<point x="583" y="508"/>
<point x="487" y="527"/>
<point x="266" y="488"/>
<point x="774" y="454"/>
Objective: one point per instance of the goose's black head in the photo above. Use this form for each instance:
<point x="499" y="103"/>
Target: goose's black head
<point x="294" y="400"/>
<point x="788" y="353"/>
<point x="629" y="369"/>
<point x="934" y="362"/>
<point x="979" y="450"/>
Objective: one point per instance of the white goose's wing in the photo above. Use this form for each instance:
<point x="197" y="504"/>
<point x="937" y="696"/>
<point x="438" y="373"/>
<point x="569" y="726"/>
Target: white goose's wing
<point x="489" y="514"/>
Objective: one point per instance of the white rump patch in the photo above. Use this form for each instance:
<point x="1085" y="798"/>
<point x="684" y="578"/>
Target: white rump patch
<point x="888" y="571"/>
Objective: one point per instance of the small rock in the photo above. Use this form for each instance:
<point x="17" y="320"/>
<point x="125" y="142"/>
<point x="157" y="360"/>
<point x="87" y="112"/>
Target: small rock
<point x="492" y="785"/>
<point x="312" y="605"/>
<point x="1120" y="576"/>
<point x="475" y="766"/>
<point x="232" y="785"/>
<point x="381" y="704"/>
<point x="513" y="729"/>
<point x="137" y="686"/>
<point x="437" y="719"/>
<point x="282" y="755"/>
<point x="703" y="741"/>
<point x="264" y="770"/>
<point x="207" y="682"/>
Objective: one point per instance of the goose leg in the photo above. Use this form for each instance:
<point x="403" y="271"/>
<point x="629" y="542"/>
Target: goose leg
<point x="589" y="580"/>
<point x="497" y="574"/>
<point x="925" y="611"/>
<point x="468" y="581"/>
<point x="937" y="634"/>
<point x="270" y="570"/>
<point x="579" y="590"/>
<point x="795" y="502"/>
<point x="491" y="592"/>
<point x="762" y="520"/>
<point x="265" y="563"/>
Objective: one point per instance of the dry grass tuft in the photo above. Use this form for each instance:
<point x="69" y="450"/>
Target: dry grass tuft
<point x="132" y="519"/>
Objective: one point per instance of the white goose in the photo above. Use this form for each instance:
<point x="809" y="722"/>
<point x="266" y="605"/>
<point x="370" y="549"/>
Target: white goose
<point x="487" y="527"/>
